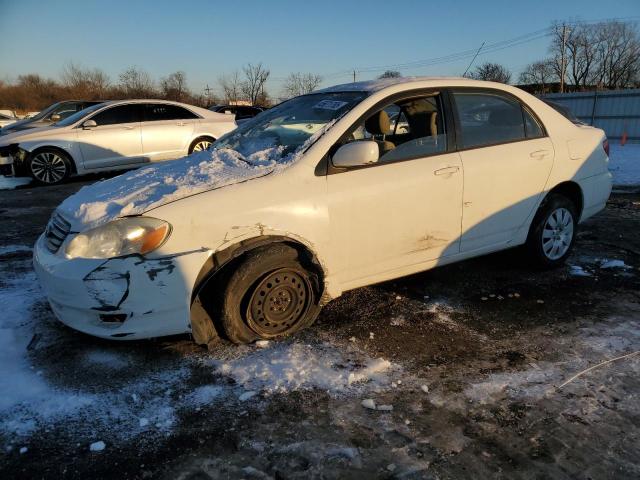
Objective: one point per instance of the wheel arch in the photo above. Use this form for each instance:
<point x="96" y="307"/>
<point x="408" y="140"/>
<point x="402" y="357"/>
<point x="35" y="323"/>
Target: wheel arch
<point x="572" y="191"/>
<point x="221" y="262"/>
<point x="39" y="148"/>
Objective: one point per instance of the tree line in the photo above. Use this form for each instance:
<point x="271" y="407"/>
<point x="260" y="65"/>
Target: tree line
<point x="33" y="92"/>
<point x="604" y="56"/>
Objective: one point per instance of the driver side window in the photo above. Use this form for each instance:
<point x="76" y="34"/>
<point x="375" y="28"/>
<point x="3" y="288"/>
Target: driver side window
<point x="407" y="129"/>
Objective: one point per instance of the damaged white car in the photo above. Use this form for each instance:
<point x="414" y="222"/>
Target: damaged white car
<point x="317" y="196"/>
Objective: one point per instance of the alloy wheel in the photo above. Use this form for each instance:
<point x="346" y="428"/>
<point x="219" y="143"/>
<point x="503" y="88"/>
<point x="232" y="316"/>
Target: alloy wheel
<point x="48" y="167"/>
<point x="557" y="233"/>
<point x="201" y="146"/>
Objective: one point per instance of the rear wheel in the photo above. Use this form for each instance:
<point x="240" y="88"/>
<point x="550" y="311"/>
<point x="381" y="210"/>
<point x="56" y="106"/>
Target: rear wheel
<point x="270" y="294"/>
<point x="200" y="144"/>
<point x="49" y="166"/>
<point x="553" y="231"/>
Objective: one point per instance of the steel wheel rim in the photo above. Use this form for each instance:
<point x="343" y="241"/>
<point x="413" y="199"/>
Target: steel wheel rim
<point x="201" y="146"/>
<point x="48" y="167"/>
<point x="557" y="234"/>
<point x="279" y="303"/>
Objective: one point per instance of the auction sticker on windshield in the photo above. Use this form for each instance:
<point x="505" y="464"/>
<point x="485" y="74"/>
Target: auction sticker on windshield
<point x="330" y="104"/>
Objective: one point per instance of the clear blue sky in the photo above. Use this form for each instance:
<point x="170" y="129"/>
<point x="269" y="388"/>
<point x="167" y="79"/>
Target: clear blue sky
<point x="208" y="38"/>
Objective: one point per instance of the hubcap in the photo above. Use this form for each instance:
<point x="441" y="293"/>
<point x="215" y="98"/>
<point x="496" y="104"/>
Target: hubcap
<point x="202" y="145"/>
<point x="48" y="167"/>
<point x="557" y="234"/>
<point x="279" y="303"/>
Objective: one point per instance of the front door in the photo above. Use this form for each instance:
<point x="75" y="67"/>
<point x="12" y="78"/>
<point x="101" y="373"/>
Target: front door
<point x="389" y="218"/>
<point x="115" y="140"/>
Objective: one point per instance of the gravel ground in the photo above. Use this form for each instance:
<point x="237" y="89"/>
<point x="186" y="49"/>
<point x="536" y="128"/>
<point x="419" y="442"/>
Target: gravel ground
<point x="471" y="358"/>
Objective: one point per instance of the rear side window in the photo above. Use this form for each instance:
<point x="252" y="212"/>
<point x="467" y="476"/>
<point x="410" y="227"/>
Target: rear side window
<point x="489" y="119"/>
<point x="158" y="112"/>
<point x="531" y="125"/>
<point x="118" y="114"/>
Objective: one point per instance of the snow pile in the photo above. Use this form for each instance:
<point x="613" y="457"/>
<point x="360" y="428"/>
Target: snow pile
<point x="9" y="183"/>
<point x="613" y="264"/>
<point x="295" y="366"/>
<point x="578" y="271"/>
<point x="624" y="164"/>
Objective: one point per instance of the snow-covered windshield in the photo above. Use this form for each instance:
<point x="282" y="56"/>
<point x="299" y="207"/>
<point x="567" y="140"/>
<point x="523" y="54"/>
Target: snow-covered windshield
<point x="71" y="119"/>
<point x="277" y="133"/>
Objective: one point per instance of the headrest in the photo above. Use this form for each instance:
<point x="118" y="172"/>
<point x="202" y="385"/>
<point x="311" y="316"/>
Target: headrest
<point x="378" y="124"/>
<point x="504" y="117"/>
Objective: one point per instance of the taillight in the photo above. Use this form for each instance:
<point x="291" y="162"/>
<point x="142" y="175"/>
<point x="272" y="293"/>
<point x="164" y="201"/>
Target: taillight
<point x="605" y="145"/>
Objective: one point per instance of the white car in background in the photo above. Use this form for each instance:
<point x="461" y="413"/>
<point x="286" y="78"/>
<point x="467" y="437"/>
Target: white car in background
<point x="6" y="120"/>
<point x="112" y="136"/>
<point x="318" y="196"/>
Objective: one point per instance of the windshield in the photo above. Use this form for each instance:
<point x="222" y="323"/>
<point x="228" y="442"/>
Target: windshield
<point x="40" y="115"/>
<point x="71" y="119"/>
<point x="279" y="132"/>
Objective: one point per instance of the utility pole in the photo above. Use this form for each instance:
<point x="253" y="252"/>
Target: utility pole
<point x="562" y="57"/>
<point x="354" y="76"/>
<point x="207" y="92"/>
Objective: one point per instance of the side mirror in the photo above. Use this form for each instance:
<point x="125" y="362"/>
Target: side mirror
<point x="89" y="124"/>
<point x="55" y="117"/>
<point x="355" y="154"/>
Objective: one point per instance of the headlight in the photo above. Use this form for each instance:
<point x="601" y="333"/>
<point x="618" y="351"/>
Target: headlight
<point x="121" y="237"/>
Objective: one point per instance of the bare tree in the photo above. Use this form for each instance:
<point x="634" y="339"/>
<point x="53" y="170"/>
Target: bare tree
<point x="135" y="82"/>
<point x="618" y="54"/>
<point x="300" y="84"/>
<point x="390" y="74"/>
<point x="253" y="85"/>
<point x="538" y="73"/>
<point x="174" y="86"/>
<point x="493" y="72"/>
<point x="231" y="86"/>
<point x="85" y="83"/>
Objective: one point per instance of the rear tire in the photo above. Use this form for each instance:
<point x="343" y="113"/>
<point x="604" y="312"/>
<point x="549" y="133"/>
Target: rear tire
<point x="552" y="233"/>
<point x="200" y="144"/>
<point x="270" y="294"/>
<point x="49" y="166"/>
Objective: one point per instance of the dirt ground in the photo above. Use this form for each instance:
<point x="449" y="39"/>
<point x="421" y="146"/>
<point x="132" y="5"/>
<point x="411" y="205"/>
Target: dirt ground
<point x="471" y="357"/>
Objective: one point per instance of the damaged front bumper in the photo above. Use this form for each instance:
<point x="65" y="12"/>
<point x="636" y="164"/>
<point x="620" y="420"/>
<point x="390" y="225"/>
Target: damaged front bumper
<point x="123" y="298"/>
<point x="12" y="160"/>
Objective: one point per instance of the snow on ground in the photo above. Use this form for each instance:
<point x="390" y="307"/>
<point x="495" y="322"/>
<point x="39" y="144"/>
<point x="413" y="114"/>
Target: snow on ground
<point x="287" y="367"/>
<point x="9" y="183"/>
<point x="624" y="163"/>
<point x="614" y="337"/>
<point x="145" y="400"/>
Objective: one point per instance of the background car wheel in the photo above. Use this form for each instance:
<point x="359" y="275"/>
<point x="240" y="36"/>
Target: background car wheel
<point x="270" y="294"/>
<point x="200" y="144"/>
<point x="49" y="166"/>
<point x="553" y="232"/>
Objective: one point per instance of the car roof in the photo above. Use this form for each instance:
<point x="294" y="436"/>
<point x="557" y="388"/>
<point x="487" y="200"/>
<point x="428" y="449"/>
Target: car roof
<point x="371" y="86"/>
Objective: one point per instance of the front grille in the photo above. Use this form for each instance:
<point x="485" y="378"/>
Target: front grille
<point x="57" y="230"/>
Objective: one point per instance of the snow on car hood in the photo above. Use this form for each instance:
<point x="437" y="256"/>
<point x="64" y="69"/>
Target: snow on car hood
<point x="141" y="190"/>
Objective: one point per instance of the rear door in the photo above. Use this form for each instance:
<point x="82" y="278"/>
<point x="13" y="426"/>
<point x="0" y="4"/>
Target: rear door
<point x="507" y="158"/>
<point x="115" y="140"/>
<point x="166" y="130"/>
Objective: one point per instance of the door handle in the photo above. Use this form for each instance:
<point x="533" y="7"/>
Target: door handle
<point x="180" y="124"/>
<point x="539" y="154"/>
<point x="128" y="127"/>
<point x="446" y="170"/>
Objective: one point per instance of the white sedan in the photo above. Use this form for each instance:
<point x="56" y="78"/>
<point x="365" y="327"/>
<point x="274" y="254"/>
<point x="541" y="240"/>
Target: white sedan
<point x="110" y="136"/>
<point x="6" y="120"/>
<point x="316" y="197"/>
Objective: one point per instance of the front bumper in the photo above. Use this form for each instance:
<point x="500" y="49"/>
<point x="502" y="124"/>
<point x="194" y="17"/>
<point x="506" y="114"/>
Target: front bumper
<point x="122" y="298"/>
<point x="6" y="166"/>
